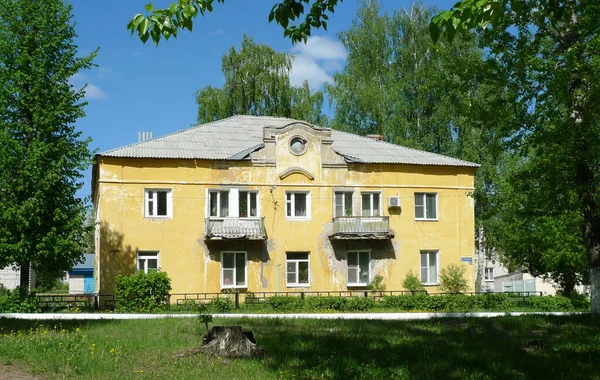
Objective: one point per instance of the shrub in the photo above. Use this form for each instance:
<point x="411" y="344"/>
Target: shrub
<point x="412" y="283"/>
<point x="285" y="303"/>
<point x="495" y="301"/>
<point x="220" y="305"/>
<point x="550" y="303"/>
<point x="376" y="284"/>
<point x="326" y="303"/>
<point x="142" y="293"/>
<point x="452" y="279"/>
<point x="18" y="301"/>
<point x="580" y="301"/>
<point x="406" y="302"/>
<point x="360" y="304"/>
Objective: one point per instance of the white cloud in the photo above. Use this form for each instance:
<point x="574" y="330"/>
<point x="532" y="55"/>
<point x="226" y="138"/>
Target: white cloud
<point x="94" y="93"/>
<point x="316" y="61"/>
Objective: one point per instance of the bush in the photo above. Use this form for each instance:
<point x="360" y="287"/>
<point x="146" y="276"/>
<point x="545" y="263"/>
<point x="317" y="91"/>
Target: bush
<point x="18" y="301"/>
<point x="376" y="284"/>
<point x="220" y="305"/>
<point x="580" y="301"/>
<point x="412" y="283"/>
<point x="452" y="279"/>
<point x="360" y="304"/>
<point x="326" y="304"/>
<point x="495" y="301"/>
<point x="284" y="304"/>
<point x="142" y="293"/>
<point x="550" y="303"/>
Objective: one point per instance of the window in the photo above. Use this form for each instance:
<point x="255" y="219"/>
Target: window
<point x="248" y="204"/>
<point x="489" y="274"/>
<point x="147" y="261"/>
<point x="297" y="269"/>
<point x="219" y="203"/>
<point x="233" y="269"/>
<point x="359" y="268"/>
<point x="297" y="205"/>
<point x="371" y="205"/>
<point x="426" y="206"/>
<point x="429" y="267"/>
<point x="343" y="203"/>
<point x="298" y="145"/>
<point x="158" y="203"/>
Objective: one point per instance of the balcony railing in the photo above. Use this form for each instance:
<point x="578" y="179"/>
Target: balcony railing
<point x="234" y="228"/>
<point x="361" y="227"/>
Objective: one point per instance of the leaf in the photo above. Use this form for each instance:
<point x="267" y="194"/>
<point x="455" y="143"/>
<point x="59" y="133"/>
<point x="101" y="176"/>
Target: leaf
<point x="434" y="31"/>
<point x="149" y="7"/>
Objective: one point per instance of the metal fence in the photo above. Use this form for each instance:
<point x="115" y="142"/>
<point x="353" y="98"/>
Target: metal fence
<point x="52" y="302"/>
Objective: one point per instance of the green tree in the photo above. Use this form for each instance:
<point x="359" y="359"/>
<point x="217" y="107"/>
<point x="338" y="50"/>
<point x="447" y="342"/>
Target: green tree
<point x="549" y="50"/>
<point x="257" y="82"/>
<point x="41" y="153"/>
<point x="166" y="22"/>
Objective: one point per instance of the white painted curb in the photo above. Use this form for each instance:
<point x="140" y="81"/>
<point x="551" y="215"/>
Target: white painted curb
<point x="360" y="316"/>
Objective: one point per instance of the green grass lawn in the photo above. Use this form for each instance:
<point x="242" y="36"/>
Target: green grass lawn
<point x="528" y="347"/>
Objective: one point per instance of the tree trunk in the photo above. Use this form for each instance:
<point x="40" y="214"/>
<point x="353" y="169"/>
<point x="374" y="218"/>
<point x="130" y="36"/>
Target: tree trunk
<point x="595" y="290"/>
<point x="24" y="277"/>
<point x="230" y="342"/>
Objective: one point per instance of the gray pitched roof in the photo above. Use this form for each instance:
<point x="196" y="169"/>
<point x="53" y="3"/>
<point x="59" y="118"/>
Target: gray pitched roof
<point x="237" y="136"/>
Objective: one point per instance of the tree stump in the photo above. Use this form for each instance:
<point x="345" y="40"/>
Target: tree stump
<point x="230" y="342"/>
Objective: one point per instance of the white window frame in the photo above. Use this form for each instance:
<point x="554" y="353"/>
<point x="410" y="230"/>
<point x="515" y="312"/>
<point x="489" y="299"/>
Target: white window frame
<point x="142" y="254"/>
<point x="343" y="192"/>
<point x="378" y="193"/>
<point x="359" y="252"/>
<point x="292" y="201"/>
<point x="248" y="196"/>
<point x="218" y="192"/>
<point x="155" y="203"/>
<point x="234" y="286"/>
<point x="424" y="196"/>
<point x="437" y="266"/>
<point x="296" y="262"/>
<point x="489" y="270"/>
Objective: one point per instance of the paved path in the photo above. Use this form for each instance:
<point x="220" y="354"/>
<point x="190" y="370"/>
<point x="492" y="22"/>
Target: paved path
<point x="365" y="316"/>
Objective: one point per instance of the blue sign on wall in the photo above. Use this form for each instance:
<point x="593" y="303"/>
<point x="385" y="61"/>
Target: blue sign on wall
<point x="467" y="260"/>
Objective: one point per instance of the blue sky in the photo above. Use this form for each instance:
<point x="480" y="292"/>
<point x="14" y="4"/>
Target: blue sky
<point x="144" y="88"/>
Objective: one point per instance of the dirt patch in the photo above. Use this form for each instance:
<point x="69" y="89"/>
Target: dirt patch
<point x="15" y="372"/>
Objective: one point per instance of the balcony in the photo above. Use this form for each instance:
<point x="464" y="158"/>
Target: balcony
<point x="361" y="227"/>
<point x="234" y="228"/>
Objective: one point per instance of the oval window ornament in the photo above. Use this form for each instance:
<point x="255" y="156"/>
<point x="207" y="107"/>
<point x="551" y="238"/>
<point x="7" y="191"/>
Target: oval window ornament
<point x="297" y="145"/>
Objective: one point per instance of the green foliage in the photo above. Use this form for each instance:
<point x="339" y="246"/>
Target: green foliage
<point x="18" y="301"/>
<point x="580" y="301"/>
<point x="452" y="279"/>
<point x="142" y="293"/>
<point x="455" y="302"/>
<point x="42" y="155"/>
<point x="221" y="305"/>
<point x="550" y="303"/>
<point x="412" y="283"/>
<point x="166" y="22"/>
<point x="286" y="304"/>
<point x="376" y="284"/>
<point x="257" y="82"/>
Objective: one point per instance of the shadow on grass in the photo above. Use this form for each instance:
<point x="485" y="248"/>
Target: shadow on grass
<point x="526" y="347"/>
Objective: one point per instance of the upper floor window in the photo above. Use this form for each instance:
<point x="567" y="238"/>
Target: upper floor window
<point x="359" y="268"/>
<point x="297" y="204"/>
<point x="489" y="274"/>
<point x="371" y="204"/>
<point x="426" y="206"/>
<point x="429" y="267"/>
<point x="248" y="205"/>
<point x="147" y="261"/>
<point x="233" y="270"/>
<point x="343" y="203"/>
<point x="219" y="203"/>
<point x="158" y="203"/>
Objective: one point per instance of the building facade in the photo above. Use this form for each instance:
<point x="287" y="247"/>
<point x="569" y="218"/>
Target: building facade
<point x="264" y="204"/>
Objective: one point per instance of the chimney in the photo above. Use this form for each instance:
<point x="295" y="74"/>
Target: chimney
<point x="376" y="137"/>
<point x="144" y="136"/>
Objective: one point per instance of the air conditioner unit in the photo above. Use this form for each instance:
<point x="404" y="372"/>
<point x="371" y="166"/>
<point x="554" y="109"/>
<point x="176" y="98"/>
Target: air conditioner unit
<point x="394" y="202"/>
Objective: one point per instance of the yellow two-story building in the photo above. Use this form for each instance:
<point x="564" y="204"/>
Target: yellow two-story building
<point x="265" y="204"/>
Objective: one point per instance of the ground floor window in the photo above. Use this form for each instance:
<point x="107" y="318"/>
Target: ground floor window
<point x="359" y="268"/>
<point x="233" y="269"/>
<point x="297" y="269"/>
<point x="429" y="267"/>
<point x="147" y="261"/>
